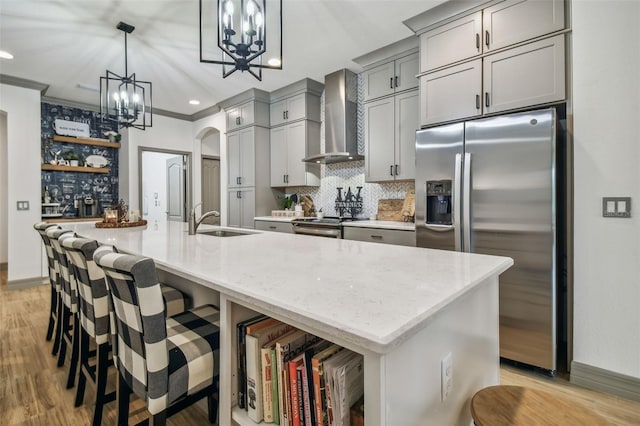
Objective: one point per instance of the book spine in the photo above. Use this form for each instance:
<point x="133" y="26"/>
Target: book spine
<point x="306" y="397"/>
<point x="267" y="394"/>
<point x="325" y="383"/>
<point x="254" y="379"/>
<point x="301" y="410"/>
<point x="274" y="388"/>
<point x="293" y="385"/>
<point x="240" y="365"/>
<point x="315" y="367"/>
<point x="280" y="370"/>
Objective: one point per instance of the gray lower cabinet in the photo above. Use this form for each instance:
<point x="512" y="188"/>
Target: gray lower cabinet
<point x="267" y="225"/>
<point x="242" y="207"/>
<point x="377" y="235"/>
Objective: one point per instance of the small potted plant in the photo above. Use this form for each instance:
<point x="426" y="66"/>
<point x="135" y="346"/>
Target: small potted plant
<point x="113" y="136"/>
<point x="72" y="158"/>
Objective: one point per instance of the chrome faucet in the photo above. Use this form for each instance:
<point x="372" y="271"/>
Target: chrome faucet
<point x="194" y="223"/>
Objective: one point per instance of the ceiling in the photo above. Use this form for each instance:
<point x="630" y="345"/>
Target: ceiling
<point x="66" y="43"/>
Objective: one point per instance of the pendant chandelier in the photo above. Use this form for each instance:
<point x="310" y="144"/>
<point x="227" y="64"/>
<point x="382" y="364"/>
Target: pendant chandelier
<point x="124" y="99"/>
<point x="242" y="33"/>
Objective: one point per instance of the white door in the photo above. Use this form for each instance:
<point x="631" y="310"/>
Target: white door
<point x="407" y="113"/>
<point x="211" y="188"/>
<point x="175" y="189"/>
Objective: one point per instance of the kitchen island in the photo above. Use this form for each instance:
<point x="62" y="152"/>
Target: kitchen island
<point x="404" y="308"/>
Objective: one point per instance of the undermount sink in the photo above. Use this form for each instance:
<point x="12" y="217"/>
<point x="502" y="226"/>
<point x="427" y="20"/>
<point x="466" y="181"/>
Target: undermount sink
<point x="223" y="233"/>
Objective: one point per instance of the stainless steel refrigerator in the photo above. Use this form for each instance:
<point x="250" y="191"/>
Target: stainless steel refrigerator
<point x="488" y="186"/>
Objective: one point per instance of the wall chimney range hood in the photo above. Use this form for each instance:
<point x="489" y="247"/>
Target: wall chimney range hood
<point x="340" y="119"/>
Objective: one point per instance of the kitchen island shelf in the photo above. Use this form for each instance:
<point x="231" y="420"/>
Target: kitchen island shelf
<point x="87" y="141"/>
<point x="52" y="167"/>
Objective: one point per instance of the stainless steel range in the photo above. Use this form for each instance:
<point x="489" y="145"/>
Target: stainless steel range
<point x="330" y="227"/>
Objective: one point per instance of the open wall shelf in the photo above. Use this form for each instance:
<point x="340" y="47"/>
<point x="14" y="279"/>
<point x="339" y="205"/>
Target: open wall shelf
<point x="87" y="141"/>
<point x="51" y="167"/>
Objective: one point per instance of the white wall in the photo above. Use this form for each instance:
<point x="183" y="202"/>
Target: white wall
<point x="22" y="107"/>
<point x="4" y="183"/>
<point x="211" y="143"/>
<point x="606" y="84"/>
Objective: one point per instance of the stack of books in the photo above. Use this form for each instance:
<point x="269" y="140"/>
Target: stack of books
<point x="292" y="378"/>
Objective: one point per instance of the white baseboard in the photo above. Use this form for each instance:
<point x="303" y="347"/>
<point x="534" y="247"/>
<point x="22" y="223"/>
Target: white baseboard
<point x="605" y="381"/>
<point x="26" y="283"/>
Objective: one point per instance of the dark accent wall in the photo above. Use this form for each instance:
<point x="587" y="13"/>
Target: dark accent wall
<point x="66" y="187"/>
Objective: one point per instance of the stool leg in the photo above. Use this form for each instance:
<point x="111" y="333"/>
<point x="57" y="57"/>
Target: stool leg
<point x="159" y="419"/>
<point x="102" y="367"/>
<point x="212" y="408"/>
<point x="75" y="348"/>
<point x="51" y="325"/>
<point x="123" y="392"/>
<point x="64" y="327"/>
<point x="56" y="339"/>
<point x="84" y="364"/>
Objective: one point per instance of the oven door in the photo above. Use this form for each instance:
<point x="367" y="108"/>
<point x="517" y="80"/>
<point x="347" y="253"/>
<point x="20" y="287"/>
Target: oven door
<point x="317" y="230"/>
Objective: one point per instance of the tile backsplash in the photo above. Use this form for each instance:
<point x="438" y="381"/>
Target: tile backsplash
<point x="350" y="174"/>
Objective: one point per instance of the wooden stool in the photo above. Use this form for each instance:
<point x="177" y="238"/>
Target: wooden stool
<point x="517" y="405"/>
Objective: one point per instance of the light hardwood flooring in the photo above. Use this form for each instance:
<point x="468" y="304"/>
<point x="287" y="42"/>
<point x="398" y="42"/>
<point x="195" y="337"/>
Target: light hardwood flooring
<point x="32" y="388"/>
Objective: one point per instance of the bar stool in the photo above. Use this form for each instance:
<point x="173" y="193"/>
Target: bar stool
<point x="42" y="227"/>
<point x="69" y="321"/>
<point x="520" y="406"/>
<point x="167" y="362"/>
<point x="94" y="318"/>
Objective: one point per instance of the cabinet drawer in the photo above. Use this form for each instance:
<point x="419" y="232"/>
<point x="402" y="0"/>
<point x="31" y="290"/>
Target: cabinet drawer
<point x="385" y="236"/>
<point x="266" y="225"/>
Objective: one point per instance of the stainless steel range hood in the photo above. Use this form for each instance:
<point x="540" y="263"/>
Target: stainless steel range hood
<point x="340" y="119"/>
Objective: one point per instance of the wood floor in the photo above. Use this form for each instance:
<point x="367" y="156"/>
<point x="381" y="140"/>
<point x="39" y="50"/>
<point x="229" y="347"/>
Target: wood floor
<point x="32" y="388"/>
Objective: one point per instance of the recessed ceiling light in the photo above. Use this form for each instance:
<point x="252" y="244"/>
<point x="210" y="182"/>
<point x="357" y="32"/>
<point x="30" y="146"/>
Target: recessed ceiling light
<point x="194" y="102"/>
<point x="5" y="55"/>
<point x="89" y="87"/>
<point x="274" y="62"/>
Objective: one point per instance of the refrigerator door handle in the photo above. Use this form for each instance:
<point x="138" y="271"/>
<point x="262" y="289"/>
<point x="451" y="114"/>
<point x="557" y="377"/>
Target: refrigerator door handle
<point x="457" y="189"/>
<point x="438" y="228"/>
<point x="466" y="203"/>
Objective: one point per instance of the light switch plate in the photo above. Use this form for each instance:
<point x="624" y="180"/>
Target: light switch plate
<point x="22" y="205"/>
<point x="616" y="206"/>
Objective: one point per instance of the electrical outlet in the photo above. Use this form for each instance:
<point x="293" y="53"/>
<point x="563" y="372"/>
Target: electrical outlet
<point x="22" y="205"/>
<point x="446" y="375"/>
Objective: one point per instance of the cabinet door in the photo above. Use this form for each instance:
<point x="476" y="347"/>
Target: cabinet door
<point x="379" y="133"/>
<point x="234" y="208"/>
<point x="407" y="112"/>
<point x="247" y="114"/>
<point x="524" y="76"/>
<point x="406" y="70"/>
<point x="278" y="172"/>
<point x="514" y="21"/>
<point x="385" y="236"/>
<point x="233" y="154"/>
<point x="296" y="107"/>
<point x="452" y="42"/>
<point x="233" y="119"/>
<point x="247" y="157"/>
<point x="451" y="94"/>
<point x="296" y="151"/>
<point x="247" y="208"/>
<point x="277" y="112"/>
<point x="378" y="81"/>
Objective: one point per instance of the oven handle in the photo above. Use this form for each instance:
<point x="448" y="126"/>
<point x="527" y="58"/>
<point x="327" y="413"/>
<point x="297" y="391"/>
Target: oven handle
<point x="319" y="232"/>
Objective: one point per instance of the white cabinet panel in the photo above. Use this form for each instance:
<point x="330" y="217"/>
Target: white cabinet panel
<point x="452" y="42"/>
<point x="277" y="112"/>
<point x="451" y="93"/>
<point x="241" y="154"/>
<point x="289" y="145"/>
<point x="279" y="156"/>
<point x="514" y="21"/>
<point x="296" y="107"/>
<point x="406" y="124"/>
<point x="296" y="143"/>
<point x="379" y="133"/>
<point x="527" y="75"/>
<point x="378" y="81"/>
<point x="406" y="70"/>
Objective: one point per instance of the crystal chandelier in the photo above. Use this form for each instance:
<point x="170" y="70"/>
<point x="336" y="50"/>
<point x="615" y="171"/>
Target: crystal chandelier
<point x="242" y="35"/>
<point x="125" y="100"/>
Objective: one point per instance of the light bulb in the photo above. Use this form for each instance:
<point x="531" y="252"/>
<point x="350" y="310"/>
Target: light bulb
<point x="228" y="7"/>
<point x="259" y="20"/>
<point x="116" y="97"/>
<point x="251" y="7"/>
<point x="123" y="96"/>
<point x="225" y="19"/>
<point x="136" y="98"/>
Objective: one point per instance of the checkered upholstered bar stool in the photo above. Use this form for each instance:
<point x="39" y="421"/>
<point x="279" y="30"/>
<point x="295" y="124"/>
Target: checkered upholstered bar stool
<point x="42" y="227"/>
<point x="94" y="318"/>
<point x="168" y="362"/>
<point x="68" y="315"/>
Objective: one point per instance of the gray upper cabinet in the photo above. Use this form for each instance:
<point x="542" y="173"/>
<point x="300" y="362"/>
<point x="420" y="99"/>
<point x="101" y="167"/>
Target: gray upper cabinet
<point x="514" y="21"/>
<point x="391" y="77"/>
<point x="452" y="42"/>
<point x="247" y="114"/>
<point x="389" y="131"/>
<point x="526" y="75"/>
<point x="452" y="93"/>
<point x="501" y="25"/>
<point x="241" y="155"/>
<point x="297" y="107"/>
<point x="289" y="145"/>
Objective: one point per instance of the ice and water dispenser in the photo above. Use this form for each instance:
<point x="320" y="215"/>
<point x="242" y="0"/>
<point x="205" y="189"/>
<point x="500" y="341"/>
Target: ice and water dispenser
<point x="439" y="202"/>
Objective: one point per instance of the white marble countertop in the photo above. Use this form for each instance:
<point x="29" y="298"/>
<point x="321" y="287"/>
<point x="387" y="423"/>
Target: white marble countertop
<point x="372" y="295"/>
<point x="381" y="224"/>
<point x="274" y="218"/>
